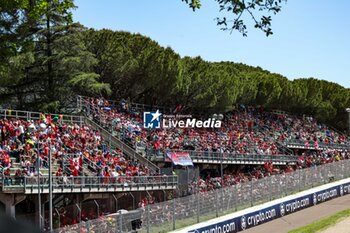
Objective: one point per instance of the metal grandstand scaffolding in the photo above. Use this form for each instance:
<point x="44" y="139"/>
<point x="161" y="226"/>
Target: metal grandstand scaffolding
<point x="180" y="212"/>
<point x="208" y="157"/>
<point x="86" y="184"/>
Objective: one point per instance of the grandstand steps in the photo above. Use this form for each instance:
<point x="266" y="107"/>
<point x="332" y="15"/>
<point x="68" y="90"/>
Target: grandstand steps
<point x="284" y="148"/>
<point x="87" y="170"/>
<point x="112" y="140"/>
<point x="44" y="171"/>
<point x="13" y="160"/>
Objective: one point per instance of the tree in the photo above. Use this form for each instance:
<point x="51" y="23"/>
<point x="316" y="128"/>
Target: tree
<point x="239" y="8"/>
<point x="46" y="60"/>
<point x="16" y="48"/>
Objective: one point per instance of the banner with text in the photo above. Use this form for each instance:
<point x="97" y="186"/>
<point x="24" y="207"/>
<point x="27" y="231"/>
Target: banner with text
<point x="180" y="158"/>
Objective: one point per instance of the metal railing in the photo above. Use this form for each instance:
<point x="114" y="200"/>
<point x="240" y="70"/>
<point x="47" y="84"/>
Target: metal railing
<point x="134" y="106"/>
<point x="8" y="113"/>
<point x="130" y="152"/>
<point x="228" y="158"/>
<point x="180" y="212"/>
<point x="284" y="148"/>
<point x="92" y="166"/>
<point x="132" y="147"/>
<point x="1" y="174"/>
<point x="210" y="157"/>
<point x="82" y="184"/>
<point x="320" y="146"/>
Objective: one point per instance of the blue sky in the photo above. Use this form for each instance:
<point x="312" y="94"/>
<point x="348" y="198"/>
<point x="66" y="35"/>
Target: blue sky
<point x="311" y="38"/>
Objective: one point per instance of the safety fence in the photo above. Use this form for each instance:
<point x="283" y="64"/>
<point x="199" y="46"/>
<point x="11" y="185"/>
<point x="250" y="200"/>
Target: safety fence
<point x="181" y="212"/>
<point x="129" y="221"/>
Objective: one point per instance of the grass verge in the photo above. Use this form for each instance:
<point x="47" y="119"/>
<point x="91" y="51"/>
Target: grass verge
<point x="323" y="223"/>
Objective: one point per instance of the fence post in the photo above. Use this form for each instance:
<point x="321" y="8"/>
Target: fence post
<point x="270" y="188"/>
<point x="251" y="193"/>
<point x="234" y="189"/>
<point x="88" y="226"/>
<point x="299" y="179"/>
<point x="197" y="200"/>
<point x="217" y="202"/>
<point x="148" y="222"/>
<point x="25" y="181"/>
<point x="120" y="222"/>
<point x="174" y="213"/>
<point x="116" y="202"/>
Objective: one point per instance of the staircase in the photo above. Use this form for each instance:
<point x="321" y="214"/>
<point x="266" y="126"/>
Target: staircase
<point x="85" y="108"/>
<point x="43" y="170"/>
<point x="88" y="166"/>
<point x="284" y="149"/>
<point x="115" y="142"/>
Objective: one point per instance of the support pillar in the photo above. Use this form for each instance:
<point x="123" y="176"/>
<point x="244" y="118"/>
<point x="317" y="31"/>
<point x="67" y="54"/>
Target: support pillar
<point x="10" y="209"/>
<point x="112" y="202"/>
<point x="10" y="201"/>
<point x="76" y="210"/>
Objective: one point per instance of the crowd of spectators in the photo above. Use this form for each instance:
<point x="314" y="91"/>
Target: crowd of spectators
<point x="236" y="136"/>
<point x="21" y="141"/>
<point x="245" y="130"/>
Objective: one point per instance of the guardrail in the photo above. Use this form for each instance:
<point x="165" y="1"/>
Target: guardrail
<point x="29" y="185"/>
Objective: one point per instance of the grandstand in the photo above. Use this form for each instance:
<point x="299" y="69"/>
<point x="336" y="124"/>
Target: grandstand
<point x="84" y="163"/>
<point x="103" y="161"/>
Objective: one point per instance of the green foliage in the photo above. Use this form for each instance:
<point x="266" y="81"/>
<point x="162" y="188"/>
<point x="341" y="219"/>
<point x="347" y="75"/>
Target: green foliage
<point x="46" y="58"/>
<point x="237" y="9"/>
<point x="194" y="4"/>
<point x="87" y="84"/>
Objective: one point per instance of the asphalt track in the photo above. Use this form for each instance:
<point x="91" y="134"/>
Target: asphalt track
<point x="303" y="217"/>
